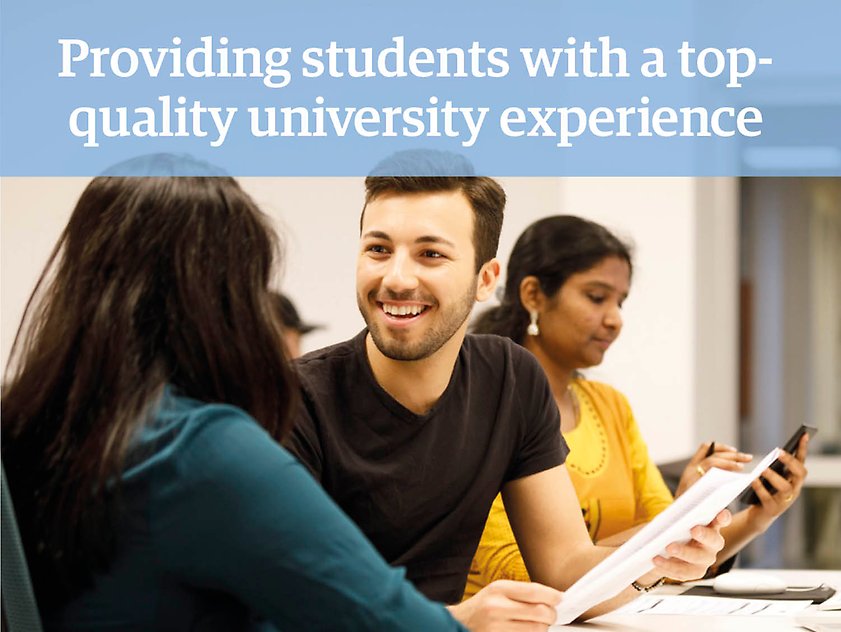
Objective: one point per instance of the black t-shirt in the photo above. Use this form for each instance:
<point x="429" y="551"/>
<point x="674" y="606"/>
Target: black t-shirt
<point x="420" y="486"/>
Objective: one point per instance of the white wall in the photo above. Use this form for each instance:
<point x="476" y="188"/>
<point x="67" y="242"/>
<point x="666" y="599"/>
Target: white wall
<point x="33" y="212"/>
<point x="657" y="361"/>
<point x="677" y="357"/>
<point x="319" y="221"/>
<point x="653" y="360"/>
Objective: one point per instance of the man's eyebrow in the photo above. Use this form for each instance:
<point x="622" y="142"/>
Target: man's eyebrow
<point x="376" y="234"/>
<point x="423" y="239"/>
<point x="433" y="239"/>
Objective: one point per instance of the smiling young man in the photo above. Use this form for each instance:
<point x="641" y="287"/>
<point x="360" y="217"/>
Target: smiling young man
<point x="413" y="426"/>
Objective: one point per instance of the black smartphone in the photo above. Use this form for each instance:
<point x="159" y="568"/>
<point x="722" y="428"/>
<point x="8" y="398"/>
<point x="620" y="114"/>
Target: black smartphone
<point x="749" y="496"/>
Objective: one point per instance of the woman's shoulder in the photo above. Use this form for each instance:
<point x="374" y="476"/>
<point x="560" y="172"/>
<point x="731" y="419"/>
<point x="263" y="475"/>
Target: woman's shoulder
<point x="609" y="400"/>
<point x="600" y="389"/>
<point x="178" y="414"/>
<point x="187" y="430"/>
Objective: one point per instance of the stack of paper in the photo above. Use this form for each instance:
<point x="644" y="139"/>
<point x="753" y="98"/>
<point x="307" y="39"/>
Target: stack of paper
<point x="694" y="605"/>
<point x="697" y="506"/>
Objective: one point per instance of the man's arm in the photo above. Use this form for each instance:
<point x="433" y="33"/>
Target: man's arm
<point x="546" y="518"/>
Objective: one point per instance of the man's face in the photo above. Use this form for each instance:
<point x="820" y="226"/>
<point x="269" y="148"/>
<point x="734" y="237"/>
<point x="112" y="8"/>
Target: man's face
<point x="415" y="278"/>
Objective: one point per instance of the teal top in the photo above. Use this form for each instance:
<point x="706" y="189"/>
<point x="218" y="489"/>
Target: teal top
<point x="222" y="529"/>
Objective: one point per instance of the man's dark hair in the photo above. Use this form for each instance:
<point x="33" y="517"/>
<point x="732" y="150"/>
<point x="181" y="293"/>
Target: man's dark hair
<point x="486" y="197"/>
<point x="430" y="171"/>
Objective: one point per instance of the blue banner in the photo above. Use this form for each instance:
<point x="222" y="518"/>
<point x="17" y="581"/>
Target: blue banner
<point x="270" y="87"/>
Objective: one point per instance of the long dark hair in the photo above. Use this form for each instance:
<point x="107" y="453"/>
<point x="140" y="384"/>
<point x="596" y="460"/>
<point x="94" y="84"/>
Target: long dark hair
<point x="154" y="281"/>
<point x="551" y="249"/>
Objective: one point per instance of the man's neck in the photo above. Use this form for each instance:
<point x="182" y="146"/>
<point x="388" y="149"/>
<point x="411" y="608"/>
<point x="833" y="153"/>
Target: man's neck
<point x="419" y="384"/>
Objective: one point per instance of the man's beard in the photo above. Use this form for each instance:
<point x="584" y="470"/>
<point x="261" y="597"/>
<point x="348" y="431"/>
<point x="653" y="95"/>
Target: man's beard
<point x="449" y="322"/>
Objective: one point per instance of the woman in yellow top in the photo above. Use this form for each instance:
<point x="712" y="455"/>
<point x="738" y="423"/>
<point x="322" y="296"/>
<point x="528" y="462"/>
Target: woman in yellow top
<point x="566" y="281"/>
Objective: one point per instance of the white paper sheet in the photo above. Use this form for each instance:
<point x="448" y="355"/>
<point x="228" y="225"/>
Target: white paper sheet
<point x="698" y="505"/>
<point x="819" y="621"/>
<point x="697" y="605"/>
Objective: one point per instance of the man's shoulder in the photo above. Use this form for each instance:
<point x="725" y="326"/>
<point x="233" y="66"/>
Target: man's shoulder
<point x="327" y="369"/>
<point x="489" y="343"/>
<point x="499" y="349"/>
<point x="327" y="354"/>
<point x="335" y="354"/>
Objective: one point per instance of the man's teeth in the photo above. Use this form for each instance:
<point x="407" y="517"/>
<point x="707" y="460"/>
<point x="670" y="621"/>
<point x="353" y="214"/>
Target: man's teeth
<point x="403" y="310"/>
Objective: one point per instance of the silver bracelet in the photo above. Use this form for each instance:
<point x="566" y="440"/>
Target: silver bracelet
<point x="641" y="588"/>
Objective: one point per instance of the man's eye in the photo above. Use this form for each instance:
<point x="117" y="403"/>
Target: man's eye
<point x="377" y="249"/>
<point x="596" y="298"/>
<point x="432" y="254"/>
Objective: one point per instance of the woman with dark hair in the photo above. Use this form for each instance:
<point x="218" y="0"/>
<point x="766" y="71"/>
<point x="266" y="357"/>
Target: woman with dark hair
<point x="147" y="394"/>
<point x="566" y="281"/>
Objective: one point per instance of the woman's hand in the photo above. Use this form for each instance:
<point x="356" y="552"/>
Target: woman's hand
<point x="788" y="487"/>
<point x="724" y="457"/>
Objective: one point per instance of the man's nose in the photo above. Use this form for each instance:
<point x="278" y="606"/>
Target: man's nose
<point x="400" y="275"/>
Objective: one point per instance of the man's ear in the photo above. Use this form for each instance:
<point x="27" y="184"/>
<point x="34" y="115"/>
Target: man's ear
<point x="531" y="294"/>
<point x="488" y="277"/>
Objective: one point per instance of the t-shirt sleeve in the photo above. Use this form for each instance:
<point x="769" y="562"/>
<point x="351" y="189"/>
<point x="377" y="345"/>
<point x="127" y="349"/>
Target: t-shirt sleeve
<point x="236" y="513"/>
<point x="541" y="447"/>
<point x="652" y="494"/>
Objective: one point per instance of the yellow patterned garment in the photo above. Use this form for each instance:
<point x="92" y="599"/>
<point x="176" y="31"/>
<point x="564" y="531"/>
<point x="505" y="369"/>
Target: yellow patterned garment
<point x="617" y="484"/>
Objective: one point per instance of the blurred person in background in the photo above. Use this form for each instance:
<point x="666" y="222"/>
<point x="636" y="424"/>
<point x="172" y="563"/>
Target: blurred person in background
<point x="293" y="326"/>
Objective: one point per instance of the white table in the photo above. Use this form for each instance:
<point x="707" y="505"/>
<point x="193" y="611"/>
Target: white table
<point x="706" y="623"/>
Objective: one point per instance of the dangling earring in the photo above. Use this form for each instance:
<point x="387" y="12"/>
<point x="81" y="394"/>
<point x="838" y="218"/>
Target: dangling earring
<point x="533" y="329"/>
